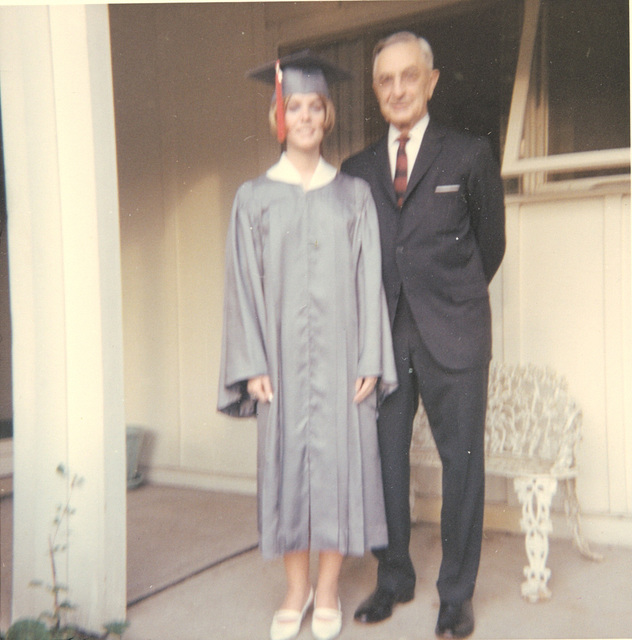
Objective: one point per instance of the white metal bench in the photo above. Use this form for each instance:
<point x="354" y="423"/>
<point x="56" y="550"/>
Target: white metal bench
<point x="531" y="435"/>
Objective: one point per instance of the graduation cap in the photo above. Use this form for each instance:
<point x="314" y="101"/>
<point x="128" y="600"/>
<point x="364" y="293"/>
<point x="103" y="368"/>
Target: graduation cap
<point x="301" y="72"/>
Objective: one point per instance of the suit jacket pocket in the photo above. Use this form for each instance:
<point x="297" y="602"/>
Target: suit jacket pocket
<point x="447" y="188"/>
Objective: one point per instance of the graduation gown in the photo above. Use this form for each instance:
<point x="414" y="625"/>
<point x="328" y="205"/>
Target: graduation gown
<point x="304" y="304"/>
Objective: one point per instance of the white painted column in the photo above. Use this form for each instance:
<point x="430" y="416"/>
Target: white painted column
<point x="65" y="279"/>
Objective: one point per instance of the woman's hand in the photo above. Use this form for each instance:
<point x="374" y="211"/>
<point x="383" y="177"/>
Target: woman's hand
<point x="364" y="387"/>
<point x="260" y="388"/>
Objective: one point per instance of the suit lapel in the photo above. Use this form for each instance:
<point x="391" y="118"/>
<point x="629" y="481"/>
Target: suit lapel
<point x="430" y="147"/>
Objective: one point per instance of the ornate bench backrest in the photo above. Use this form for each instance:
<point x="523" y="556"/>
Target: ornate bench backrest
<point x="530" y="418"/>
<point x="530" y="415"/>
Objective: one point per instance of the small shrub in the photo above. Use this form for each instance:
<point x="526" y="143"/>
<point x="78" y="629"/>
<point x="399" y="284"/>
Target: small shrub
<point x="28" y="630"/>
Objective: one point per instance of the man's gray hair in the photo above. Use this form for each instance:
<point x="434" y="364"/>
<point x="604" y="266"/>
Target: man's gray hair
<point x="405" y="36"/>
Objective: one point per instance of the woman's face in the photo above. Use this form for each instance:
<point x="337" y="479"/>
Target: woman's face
<point x="304" y="121"/>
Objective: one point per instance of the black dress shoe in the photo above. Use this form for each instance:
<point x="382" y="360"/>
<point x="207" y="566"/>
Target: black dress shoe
<point x="379" y="605"/>
<point x="455" y="620"/>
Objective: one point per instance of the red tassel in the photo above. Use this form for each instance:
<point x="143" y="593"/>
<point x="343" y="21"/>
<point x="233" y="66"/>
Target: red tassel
<point x="280" y="113"/>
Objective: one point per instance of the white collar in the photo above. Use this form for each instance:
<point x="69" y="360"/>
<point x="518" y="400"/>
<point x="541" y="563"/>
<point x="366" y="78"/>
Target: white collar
<point x="285" y="171"/>
<point x="416" y="134"/>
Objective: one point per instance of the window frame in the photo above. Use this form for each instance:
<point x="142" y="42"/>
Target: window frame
<point x="513" y="163"/>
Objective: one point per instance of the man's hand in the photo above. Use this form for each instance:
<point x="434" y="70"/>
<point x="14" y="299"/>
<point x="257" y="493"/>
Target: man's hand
<point x="260" y="388"/>
<point x="364" y="388"/>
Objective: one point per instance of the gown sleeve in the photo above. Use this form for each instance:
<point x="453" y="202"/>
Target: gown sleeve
<point x="243" y="347"/>
<point x="376" y="346"/>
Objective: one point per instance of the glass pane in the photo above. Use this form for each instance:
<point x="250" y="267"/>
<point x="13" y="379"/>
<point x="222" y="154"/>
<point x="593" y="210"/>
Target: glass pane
<point x="588" y="75"/>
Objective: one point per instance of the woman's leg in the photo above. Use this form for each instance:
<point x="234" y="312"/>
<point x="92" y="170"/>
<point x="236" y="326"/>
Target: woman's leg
<point x="286" y="623"/>
<point x="329" y="565"/>
<point x="327" y="618"/>
<point x="297" y="575"/>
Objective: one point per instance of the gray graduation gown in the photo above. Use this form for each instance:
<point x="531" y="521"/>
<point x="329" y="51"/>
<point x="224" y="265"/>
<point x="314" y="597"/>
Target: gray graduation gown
<point x="304" y="304"/>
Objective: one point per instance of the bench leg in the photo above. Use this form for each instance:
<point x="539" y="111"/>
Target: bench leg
<point x="535" y="494"/>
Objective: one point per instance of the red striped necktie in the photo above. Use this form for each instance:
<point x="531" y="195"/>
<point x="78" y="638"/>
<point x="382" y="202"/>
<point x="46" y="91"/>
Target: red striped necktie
<point x="401" y="170"/>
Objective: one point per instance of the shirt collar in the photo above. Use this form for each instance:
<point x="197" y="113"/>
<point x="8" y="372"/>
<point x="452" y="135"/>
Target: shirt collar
<point x="285" y="171"/>
<point x="416" y="133"/>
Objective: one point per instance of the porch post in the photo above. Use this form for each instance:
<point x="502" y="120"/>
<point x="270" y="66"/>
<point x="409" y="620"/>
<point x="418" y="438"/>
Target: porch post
<point x="64" y="257"/>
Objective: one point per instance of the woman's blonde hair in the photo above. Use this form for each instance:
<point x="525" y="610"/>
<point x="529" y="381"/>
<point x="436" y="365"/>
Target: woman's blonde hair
<point x="330" y="113"/>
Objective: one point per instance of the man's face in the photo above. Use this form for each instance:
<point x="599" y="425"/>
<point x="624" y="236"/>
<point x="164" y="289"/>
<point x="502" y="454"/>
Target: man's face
<point x="403" y="84"/>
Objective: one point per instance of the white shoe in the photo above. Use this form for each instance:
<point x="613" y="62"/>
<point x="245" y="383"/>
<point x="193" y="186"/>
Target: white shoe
<point x="326" y="623"/>
<point x="286" y="623"/>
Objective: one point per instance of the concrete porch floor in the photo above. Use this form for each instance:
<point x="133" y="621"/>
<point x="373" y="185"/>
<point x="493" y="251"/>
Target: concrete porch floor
<point x="194" y="574"/>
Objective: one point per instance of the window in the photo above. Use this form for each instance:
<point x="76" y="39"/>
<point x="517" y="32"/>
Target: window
<point x="547" y="81"/>
<point x="586" y="54"/>
<point x="570" y="114"/>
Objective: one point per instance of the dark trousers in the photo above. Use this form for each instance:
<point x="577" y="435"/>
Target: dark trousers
<point x="455" y="402"/>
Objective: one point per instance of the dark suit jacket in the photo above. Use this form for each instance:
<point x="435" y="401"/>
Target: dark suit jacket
<point x="445" y="245"/>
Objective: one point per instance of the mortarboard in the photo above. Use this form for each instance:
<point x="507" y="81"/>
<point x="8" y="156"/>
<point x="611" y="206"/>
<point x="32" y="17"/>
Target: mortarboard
<point x="301" y="72"/>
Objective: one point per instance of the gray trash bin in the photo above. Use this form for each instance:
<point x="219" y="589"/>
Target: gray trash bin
<point x="134" y="445"/>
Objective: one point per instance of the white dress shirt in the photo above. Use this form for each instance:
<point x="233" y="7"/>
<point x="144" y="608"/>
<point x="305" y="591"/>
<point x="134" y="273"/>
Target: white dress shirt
<point x="416" y="135"/>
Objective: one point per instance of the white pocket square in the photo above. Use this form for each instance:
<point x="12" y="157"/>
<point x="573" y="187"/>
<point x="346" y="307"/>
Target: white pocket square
<point x="447" y="188"/>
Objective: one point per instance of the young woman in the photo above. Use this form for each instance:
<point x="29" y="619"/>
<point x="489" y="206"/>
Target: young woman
<point x="306" y="339"/>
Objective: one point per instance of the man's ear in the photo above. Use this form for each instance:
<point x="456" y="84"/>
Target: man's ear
<point x="434" y="78"/>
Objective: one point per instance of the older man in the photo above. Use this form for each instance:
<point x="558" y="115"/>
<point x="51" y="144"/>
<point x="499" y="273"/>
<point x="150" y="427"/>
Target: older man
<point x="440" y="205"/>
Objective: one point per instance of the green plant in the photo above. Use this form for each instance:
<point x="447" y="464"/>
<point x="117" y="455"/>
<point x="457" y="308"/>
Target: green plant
<point x="28" y="630"/>
<point x="56" y="588"/>
<point x="32" y="629"/>
<point x="116" y="628"/>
